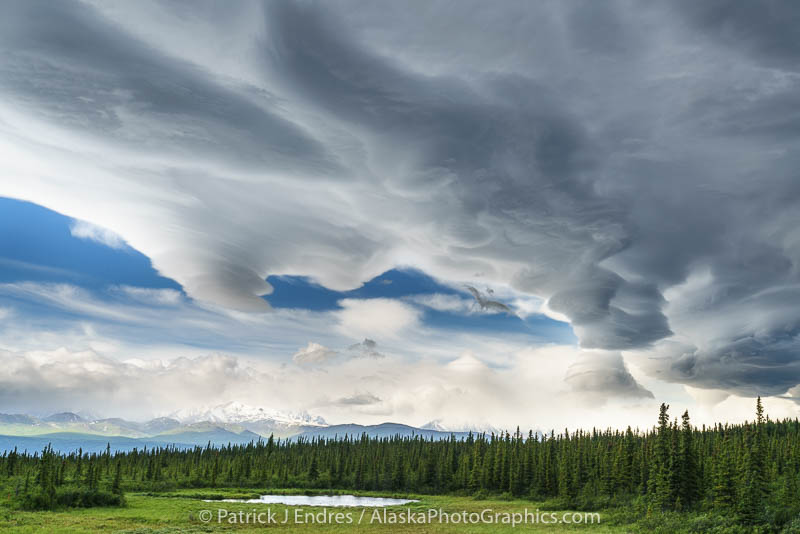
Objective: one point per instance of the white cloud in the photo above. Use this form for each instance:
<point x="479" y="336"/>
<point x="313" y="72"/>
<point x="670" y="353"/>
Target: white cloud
<point x="464" y="389"/>
<point x="35" y="267"/>
<point x="59" y="380"/>
<point x="92" y="232"/>
<point x="707" y="397"/>
<point x="544" y="309"/>
<point x="69" y="297"/>
<point x="145" y="295"/>
<point x="444" y="302"/>
<point x="380" y="318"/>
<point x="525" y="307"/>
<point x="467" y="363"/>
<point x="314" y="353"/>
<point x="600" y="375"/>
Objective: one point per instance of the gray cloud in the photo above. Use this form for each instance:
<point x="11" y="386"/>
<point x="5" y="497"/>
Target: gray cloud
<point x="361" y="399"/>
<point x="603" y="375"/>
<point x="636" y="172"/>
<point x="768" y="32"/>
<point x="314" y="353"/>
<point x="366" y="349"/>
<point x="76" y="69"/>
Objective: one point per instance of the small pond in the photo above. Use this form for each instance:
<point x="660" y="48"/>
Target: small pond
<point x="324" y="500"/>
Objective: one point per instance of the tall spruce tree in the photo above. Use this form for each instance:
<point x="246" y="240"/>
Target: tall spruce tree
<point x="753" y="470"/>
<point x="724" y="485"/>
<point x="689" y="476"/>
<point x="663" y="490"/>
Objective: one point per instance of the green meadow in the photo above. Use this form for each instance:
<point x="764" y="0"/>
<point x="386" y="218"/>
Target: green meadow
<point x="186" y="511"/>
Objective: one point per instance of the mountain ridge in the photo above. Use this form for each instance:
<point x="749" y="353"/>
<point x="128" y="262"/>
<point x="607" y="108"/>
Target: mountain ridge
<point x="232" y="422"/>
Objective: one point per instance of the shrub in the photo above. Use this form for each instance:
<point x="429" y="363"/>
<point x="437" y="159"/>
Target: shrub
<point x="72" y="498"/>
<point x="481" y="495"/>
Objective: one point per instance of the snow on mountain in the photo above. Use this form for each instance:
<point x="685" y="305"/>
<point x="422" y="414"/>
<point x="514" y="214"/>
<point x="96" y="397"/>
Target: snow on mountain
<point x="460" y="426"/>
<point x="237" y="412"/>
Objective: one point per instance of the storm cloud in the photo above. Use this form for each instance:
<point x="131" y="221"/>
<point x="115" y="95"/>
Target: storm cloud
<point x="634" y="166"/>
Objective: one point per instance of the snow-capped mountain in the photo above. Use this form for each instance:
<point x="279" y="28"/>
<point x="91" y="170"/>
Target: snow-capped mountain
<point x="237" y="412"/>
<point x="255" y="419"/>
<point x="441" y="426"/>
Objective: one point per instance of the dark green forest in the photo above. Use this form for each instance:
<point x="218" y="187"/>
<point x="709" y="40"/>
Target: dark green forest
<point x="748" y="471"/>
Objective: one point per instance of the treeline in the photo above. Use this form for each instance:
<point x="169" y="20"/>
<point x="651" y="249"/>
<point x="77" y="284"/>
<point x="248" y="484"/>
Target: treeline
<point x="51" y="480"/>
<point x="746" y="470"/>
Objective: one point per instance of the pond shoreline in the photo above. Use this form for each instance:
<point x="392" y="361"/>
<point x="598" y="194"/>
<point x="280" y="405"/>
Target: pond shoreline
<point x="334" y="501"/>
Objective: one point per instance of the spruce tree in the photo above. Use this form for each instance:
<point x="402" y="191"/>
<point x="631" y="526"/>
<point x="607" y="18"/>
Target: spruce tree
<point x="313" y="469"/>
<point x="724" y="488"/>
<point x="753" y="471"/>
<point x="689" y="479"/>
<point x="662" y="467"/>
<point x="116" y="485"/>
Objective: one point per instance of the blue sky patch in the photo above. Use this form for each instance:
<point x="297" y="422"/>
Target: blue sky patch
<point x="36" y="245"/>
<point x="301" y="292"/>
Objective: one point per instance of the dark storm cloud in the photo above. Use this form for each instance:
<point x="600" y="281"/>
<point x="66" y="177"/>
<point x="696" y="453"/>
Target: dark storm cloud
<point x="767" y="30"/>
<point x="68" y="65"/>
<point x="634" y="320"/>
<point x="634" y="165"/>
<point x="512" y="153"/>
<point x="751" y="365"/>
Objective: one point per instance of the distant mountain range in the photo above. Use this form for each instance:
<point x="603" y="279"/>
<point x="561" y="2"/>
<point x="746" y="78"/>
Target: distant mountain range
<point x="232" y="417"/>
<point x="234" y="423"/>
<point x="72" y="441"/>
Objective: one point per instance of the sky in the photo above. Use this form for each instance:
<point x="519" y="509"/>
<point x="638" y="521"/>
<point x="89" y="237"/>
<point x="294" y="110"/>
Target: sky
<point x="286" y="204"/>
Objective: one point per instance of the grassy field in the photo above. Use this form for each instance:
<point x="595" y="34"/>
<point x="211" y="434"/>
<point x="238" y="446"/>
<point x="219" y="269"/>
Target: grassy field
<point x="184" y="512"/>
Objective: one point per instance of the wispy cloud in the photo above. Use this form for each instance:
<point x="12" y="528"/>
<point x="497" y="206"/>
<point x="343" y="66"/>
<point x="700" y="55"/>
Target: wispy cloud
<point x="92" y="232"/>
<point x="314" y="353"/>
<point x="150" y="296"/>
<point x="444" y="302"/>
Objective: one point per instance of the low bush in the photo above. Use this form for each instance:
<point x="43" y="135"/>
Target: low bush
<point x="71" y="498"/>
